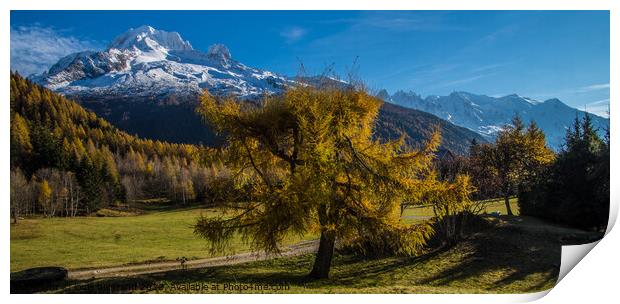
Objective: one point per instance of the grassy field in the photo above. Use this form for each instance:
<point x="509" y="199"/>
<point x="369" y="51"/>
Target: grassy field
<point x="160" y="232"/>
<point x="413" y="214"/>
<point x="517" y="255"/>
<point x="102" y="241"/>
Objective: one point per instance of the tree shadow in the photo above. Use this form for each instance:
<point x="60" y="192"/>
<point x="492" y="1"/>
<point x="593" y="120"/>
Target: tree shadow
<point x="512" y="253"/>
<point x="369" y="268"/>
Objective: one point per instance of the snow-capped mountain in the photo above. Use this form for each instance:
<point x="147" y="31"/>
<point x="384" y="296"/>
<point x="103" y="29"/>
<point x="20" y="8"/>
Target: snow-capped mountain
<point x="487" y="115"/>
<point x="146" y="62"/>
<point x="147" y="80"/>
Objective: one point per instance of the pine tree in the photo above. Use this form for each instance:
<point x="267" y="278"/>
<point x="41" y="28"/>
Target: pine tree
<point x="575" y="189"/>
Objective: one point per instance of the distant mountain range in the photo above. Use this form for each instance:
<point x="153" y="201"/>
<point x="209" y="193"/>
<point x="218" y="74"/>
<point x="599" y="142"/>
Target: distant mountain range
<point x="487" y="115"/>
<point x="147" y="80"/>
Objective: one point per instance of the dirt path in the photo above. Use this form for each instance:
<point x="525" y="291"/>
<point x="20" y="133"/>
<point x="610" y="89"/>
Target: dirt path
<point x="131" y="270"/>
<point x="566" y="235"/>
<point x="537" y="225"/>
<point x="416" y="217"/>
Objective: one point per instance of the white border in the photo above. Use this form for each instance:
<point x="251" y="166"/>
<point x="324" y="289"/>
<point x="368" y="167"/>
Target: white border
<point x="594" y="278"/>
<point x="314" y="5"/>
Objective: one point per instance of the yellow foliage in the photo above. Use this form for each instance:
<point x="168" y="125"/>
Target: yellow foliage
<point x="307" y="160"/>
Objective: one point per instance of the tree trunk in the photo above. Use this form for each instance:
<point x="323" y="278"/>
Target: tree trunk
<point x="323" y="259"/>
<point x="507" y="202"/>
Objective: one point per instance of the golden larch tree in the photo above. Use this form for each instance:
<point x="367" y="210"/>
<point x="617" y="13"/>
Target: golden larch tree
<point x="306" y="161"/>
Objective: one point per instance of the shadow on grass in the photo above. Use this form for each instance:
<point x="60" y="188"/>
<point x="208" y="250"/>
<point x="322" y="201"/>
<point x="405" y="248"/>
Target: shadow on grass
<point x="351" y="270"/>
<point x="251" y="273"/>
<point x="513" y="254"/>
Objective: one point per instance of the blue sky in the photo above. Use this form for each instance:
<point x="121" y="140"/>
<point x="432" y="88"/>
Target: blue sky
<point x="539" y="54"/>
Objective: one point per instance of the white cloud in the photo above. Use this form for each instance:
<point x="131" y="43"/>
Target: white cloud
<point x="461" y="81"/>
<point x="488" y="67"/>
<point x="579" y="90"/>
<point x="35" y="48"/>
<point x="598" y="107"/>
<point x="293" y="34"/>
<point x="602" y="101"/>
<point x="399" y="21"/>
<point x="593" y="87"/>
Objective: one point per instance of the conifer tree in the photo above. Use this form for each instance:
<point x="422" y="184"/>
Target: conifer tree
<point x="21" y="147"/>
<point x="575" y="189"/>
<point x="518" y="154"/>
<point x="306" y="161"/>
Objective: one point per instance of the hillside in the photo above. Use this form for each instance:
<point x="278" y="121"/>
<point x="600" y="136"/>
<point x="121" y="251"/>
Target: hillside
<point x="84" y="163"/>
<point x="180" y="124"/>
<point x="418" y="126"/>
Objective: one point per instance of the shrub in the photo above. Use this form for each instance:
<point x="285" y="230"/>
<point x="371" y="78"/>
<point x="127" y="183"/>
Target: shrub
<point x="409" y="240"/>
<point x="453" y="228"/>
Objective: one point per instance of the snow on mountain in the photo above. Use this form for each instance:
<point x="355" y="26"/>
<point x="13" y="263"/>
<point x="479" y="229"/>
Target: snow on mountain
<point x="146" y="38"/>
<point x="146" y="62"/>
<point x="150" y="64"/>
<point x="487" y="115"/>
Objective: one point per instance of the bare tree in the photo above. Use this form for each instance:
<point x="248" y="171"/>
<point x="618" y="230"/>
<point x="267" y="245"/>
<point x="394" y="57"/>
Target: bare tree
<point x="21" y="194"/>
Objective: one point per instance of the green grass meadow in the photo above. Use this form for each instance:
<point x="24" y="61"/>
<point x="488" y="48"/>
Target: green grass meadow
<point x="414" y="214"/>
<point x="161" y="233"/>
<point x="84" y="242"/>
<point x="506" y="259"/>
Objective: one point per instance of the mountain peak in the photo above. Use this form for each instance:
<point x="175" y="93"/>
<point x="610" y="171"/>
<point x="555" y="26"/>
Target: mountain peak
<point x="520" y="98"/>
<point x="219" y="53"/>
<point x="146" y="62"/>
<point x="462" y="95"/>
<point x="383" y="95"/>
<point x="409" y="93"/>
<point x="145" y="28"/>
<point x="554" y="101"/>
<point x="148" y="38"/>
